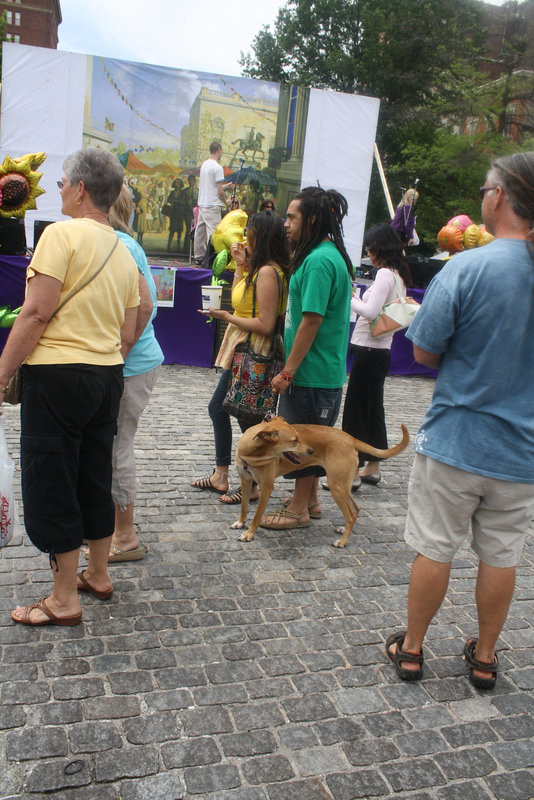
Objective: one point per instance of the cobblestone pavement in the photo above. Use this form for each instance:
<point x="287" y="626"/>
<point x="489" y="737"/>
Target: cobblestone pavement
<point x="231" y="671"/>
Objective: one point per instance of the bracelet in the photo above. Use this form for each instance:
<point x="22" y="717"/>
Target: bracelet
<point x="4" y="390"/>
<point x="238" y="275"/>
<point x="286" y="377"/>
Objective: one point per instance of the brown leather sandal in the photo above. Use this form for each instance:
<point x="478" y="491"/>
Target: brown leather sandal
<point x="400" y="656"/>
<point x="481" y="666"/>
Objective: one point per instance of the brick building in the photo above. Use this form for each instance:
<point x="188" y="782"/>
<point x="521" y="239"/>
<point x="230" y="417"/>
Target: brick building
<point x="32" y="21"/>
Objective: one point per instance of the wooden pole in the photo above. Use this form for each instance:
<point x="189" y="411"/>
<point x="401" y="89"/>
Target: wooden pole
<point x="384" y="182"/>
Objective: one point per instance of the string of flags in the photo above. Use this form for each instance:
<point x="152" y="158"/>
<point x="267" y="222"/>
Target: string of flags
<point x="132" y="108"/>
<point x="243" y="99"/>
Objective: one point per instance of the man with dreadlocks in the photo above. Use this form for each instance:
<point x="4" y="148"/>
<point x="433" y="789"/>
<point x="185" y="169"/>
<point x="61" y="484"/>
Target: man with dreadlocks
<point x="316" y="334"/>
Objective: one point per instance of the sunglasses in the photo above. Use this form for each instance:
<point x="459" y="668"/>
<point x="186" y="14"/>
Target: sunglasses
<point x="60" y="184"/>
<point x="484" y="189"/>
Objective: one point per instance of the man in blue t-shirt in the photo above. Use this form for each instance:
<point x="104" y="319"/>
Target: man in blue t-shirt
<point x="474" y="462"/>
<point x="316" y="333"/>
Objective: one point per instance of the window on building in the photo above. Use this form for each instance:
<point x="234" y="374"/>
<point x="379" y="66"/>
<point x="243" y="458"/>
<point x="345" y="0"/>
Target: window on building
<point x="17" y="17"/>
<point x="9" y="37"/>
<point x="9" y="17"/>
<point x="16" y="38"/>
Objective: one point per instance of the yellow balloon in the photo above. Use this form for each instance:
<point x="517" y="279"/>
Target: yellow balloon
<point x="472" y="236"/>
<point x="229" y="230"/>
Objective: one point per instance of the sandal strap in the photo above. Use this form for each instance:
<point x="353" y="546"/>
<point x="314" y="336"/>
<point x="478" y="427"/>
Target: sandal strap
<point x="474" y="663"/>
<point x="403" y="655"/>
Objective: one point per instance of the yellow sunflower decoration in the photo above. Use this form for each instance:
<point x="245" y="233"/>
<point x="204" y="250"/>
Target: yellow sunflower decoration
<point x="19" y="184"/>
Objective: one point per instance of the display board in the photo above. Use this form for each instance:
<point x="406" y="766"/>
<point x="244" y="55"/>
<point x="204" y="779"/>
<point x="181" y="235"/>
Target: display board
<point x="160" y="122"/>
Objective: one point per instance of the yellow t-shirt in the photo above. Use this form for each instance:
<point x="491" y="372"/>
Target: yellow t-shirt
<point x="87" y="329"/>
<point x="242" y="297"/>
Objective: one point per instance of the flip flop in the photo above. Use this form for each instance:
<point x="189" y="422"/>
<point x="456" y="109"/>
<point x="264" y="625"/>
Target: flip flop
<point x="88" y="587"/>
<point x="401" y="656"/>
<point x="283" y="520"/>
<point x="481" y="666"/>
<point x="206" y="485"/>
<point x="52" y="619"/>
<point x="116" y="554"/>
<point x="235" y="498"/>
<point x="356" y="483"/>
<point x="313" y="514"/>
<point x="373" y="478"/>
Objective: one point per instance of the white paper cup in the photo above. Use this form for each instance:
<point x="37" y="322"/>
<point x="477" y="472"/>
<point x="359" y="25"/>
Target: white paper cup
<point x="211" y="297"/>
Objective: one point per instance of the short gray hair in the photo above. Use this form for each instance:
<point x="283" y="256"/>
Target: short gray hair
<point x="101" y="173"/>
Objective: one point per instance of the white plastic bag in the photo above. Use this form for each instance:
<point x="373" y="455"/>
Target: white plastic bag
<point x="7" y="498"/>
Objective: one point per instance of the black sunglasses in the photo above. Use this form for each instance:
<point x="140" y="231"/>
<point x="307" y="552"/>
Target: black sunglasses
<point x="484" y="189"/>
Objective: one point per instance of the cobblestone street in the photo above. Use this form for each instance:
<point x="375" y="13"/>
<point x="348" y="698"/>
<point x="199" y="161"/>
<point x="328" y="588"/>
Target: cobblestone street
<point x="229" y="671"/>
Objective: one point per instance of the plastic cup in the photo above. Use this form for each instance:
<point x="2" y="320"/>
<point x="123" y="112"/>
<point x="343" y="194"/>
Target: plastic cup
<point x="211" y="297"/>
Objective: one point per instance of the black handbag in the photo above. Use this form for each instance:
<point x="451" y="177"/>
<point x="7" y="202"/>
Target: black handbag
<point x="250" y="396"/>
<point x="166" y="209"/>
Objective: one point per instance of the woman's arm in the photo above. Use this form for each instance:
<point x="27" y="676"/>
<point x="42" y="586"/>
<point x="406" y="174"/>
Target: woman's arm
<point x="144" y="309"/>
<point x="372" y="305"/>
<point x="266" y="305"/>
<point x="42" y="296"/>
<point x="128" y="330"/>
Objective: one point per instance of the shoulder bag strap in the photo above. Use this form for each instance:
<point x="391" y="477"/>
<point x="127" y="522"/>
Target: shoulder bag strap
<point x="88" y="281"/>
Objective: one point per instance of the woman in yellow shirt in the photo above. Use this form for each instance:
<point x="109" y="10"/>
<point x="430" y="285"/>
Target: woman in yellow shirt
<point x="261" y="266"/>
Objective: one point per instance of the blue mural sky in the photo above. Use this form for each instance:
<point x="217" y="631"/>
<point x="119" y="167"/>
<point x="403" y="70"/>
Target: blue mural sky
<point x="141" y="104"/>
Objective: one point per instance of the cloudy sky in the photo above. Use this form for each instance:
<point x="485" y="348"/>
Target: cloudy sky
<point x="205" y="35"/>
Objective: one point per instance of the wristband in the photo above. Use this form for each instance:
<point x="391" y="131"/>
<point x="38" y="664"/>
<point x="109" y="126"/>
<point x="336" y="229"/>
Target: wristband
<point x="286" y="377"/>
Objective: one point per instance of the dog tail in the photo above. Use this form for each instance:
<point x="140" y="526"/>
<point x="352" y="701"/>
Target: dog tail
<point x="362" y="447"/>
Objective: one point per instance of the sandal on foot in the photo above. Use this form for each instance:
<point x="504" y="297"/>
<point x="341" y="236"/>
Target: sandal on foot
<point x="356" y="483"/>
<point x="283" y="520"/>
<point x="312" y="510"/>
<point x="116" y="554"/>
<point x="372" y="477"/>
<point x="400" y="656"/>
<point x="206" y="484"/>
<point x="235" y="497"/>
<point x="52" y="619"/>
<point x="481" y="666"/>
<point x="87" y="587"/>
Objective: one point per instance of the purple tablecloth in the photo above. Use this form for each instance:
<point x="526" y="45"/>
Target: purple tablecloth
<point x="184" y="335"/>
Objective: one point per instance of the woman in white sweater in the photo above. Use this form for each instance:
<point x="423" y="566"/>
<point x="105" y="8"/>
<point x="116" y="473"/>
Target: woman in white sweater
<point x="363" y="413"/>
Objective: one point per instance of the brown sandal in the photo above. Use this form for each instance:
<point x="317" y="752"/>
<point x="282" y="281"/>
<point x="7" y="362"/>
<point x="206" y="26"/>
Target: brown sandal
<point x="52" y="619"/>
<point x="400" y="656"/>
<point x="481" y="666"/>
<point x="87" y="587"/>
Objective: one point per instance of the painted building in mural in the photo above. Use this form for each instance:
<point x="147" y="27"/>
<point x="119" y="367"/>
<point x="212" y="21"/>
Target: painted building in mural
<point x="245" y="126"/>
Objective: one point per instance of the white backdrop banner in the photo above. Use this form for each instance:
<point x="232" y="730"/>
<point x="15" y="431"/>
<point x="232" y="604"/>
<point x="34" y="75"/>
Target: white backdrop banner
<point x="340" y="136"/>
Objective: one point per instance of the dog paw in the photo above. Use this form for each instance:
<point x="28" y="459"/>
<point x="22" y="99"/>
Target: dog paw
<point x="245" y="537"/>
<point x="339" y="542"/>
<point x="237" y="525"/>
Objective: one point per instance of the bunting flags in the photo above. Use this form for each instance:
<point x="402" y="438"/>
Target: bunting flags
<point x="244" y="100"/>
<point x="135" y="111"/>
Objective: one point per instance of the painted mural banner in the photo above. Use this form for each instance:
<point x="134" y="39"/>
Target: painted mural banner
<point x="160" y="122"/>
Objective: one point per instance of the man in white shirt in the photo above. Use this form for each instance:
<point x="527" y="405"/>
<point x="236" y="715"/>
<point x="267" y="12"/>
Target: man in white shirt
<point x="211" y="197"/>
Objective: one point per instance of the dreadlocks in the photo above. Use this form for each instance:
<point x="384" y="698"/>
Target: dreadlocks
<point x="322" y="217"/>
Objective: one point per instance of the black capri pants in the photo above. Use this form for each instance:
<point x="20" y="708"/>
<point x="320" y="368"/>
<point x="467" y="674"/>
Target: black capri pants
<point x="363" y="412"/>
<point x="68" y="421"/>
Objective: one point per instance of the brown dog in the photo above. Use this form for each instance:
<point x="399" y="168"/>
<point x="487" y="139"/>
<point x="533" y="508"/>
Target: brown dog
<point x="274" y="448"/>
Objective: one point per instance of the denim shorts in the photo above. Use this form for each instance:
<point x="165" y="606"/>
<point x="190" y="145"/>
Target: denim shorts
<point x="310" y="406"/>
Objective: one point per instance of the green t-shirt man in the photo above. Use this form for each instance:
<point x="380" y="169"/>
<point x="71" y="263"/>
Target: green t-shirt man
<point x="321" y="285"/>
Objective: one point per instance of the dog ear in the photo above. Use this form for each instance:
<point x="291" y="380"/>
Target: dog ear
<point x="270" y="435"/>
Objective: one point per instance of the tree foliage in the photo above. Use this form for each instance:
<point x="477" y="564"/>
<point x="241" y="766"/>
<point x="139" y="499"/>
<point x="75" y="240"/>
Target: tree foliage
<point x="3" y="23"/>
<point x="422" y="59"/>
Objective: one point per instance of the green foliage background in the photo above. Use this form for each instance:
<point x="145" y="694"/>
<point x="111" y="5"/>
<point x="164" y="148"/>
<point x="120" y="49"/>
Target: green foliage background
<point x="422" y="58"/>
